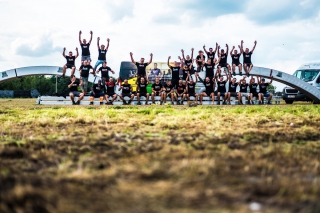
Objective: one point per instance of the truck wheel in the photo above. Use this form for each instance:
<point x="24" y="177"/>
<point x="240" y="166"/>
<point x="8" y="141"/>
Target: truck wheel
<point x="288" y="101"/>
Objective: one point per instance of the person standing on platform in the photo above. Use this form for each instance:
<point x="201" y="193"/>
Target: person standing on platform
<point x="102" y="53"/>
<point x="85" y="54"/>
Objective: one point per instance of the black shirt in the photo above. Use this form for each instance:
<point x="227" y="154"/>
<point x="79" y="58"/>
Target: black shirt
<point x="191" y="88"/>
<point x="211" y="55"/>
<point x="74" y="86"/>
<point x="199" y="58"/>
<point x="221" y="86"/>
<point x="70" y="60"/>
<point x="156" y="87"/>
<point x="143" y="87"/>
<point x="188" y="62"/>
<point x="105" y="71"/>
<point x="110" y="87"/>
<point x="209" y="69"/>
<point x="236" y="58"/>
<point x="85" y="49"/>
<point x="85" y="70"/>
<point x="141" y="68"/>
<point x="233" y="87"/>
<point x="247" y="57"/>
<point x="102" y="54"/>
<point x="175" y="72"/>
<point x="209" y="86"/>
<point x="97" y="88"/>
<point x="168" y="87"/>
<point x="223" y="58"/>
<point x="263" y="88"/>
<point x="181" y="88"/>
<point x="244" y="88"/>
<point x="253" y="88"/>
<point x="126" y="88"/>
<point x="185" y="73"/>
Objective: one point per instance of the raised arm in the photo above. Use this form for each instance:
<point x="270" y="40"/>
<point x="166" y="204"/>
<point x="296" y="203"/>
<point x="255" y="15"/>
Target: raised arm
<point x="204" y="48"/>
<point x="254" y="46"/>
<point x="241" y="47"/>
<point x="182" y="51"/>
<point x="243" y="79"/>
<point x="64" y="52"/>
<point x="168" y="63"/>
<point x="271" y="79"/>
<point x="241" y="50"/>
<point x="108" y="41"/>
<point x="151" y="55"/>
<point x="90" y="37"/>
<point x="192" y="49"/>
<point x="80" y="37"/>
<point x="259" y="79"/>
<point x="98" y="45"/>
<point x="231" y="52"/>
<point x="219" y="50"/>
<point x="227" y="49"/>
<point x="216" y="48"/>
<point x="131" y="55"/>
<point x="77" y="52"/>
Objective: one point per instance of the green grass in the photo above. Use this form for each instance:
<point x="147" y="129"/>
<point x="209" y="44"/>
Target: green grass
<point x="158" y="158"/>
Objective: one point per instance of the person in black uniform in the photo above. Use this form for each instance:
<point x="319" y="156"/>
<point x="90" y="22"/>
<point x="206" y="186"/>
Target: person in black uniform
<point x="141" y="66"/>
<point x="110" y="91"/>
<point x="156" y="90"/>
<point x="126" y="92"/>
<point x="236" y="60"/>
<point x="211" y="53"/>
<point x="97" y="92"/>
<point x="168" y="91"/>
<point x="232" y="92"/>
<point x="70" y="62"/>
<point x="180" y="92"/>
<point x="84" y="73"/>
<point x="210" y="86"/>
<point x="247" y="64"/>
<point x="263" y="90"/>
<point x="174" y="72"/>
<point x="221" y="88"/>
<point x="73" y="87"/>
<point x="223" y="58"/>
<point x="244" y="89"/>
<point x="85" y="53"/>
<point x="200" y="60"/>
<point x="186" y="71"/>
<point x="142" y="90"/>
<point x="104" y="69"/>
<point x="253" y="90"/>
<point x="102" y="53"/>
<point x="209" y="65"/>
<point x="188" y="60"/>
<point x="191" y="87"/>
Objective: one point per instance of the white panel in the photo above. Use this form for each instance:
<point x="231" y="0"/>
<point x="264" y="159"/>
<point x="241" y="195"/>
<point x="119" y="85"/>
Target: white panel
<point x="7" y="75"/>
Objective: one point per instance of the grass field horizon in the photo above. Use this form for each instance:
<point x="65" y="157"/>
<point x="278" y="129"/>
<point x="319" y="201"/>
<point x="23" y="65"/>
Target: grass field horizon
<point x="158" y="158"/>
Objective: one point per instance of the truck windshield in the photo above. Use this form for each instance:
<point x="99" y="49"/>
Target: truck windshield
<point x="306" y="75"/>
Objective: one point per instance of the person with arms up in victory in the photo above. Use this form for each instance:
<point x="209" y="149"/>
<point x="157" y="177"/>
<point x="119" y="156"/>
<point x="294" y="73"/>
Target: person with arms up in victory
<point x="142" y="90"/>
<point x="247" y="64"/>
<point x="70" y="62"/>
<point x="126" y="92"/>
<point x="188" y="60"/>
<point x="102" y="53"/>
<point x="110" y="91"/>
<point x="174" y="72"/>
<point x="263" y="90"/>
<point x="223" y="58"/>
<point x="85" y="53"/>
<point x="211" y="53"/>
<point x="97" y="92"/>
<point x="73" y="87"/>
<point x="84" y="74"/>
<point x="200" y="60"/>
<point x="141" y="66"/>
<point x="236" y="60"/>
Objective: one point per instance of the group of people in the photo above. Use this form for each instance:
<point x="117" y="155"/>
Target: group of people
<point x="180" y="87"/>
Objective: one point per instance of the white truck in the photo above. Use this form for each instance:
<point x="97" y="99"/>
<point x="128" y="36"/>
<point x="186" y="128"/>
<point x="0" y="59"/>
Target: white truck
<point x="309" y="73"/>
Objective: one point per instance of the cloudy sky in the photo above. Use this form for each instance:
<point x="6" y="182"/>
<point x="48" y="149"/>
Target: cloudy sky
<point x="34" y="32"/>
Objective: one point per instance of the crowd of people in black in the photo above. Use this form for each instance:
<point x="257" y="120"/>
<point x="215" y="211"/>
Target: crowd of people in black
<point x="219" y="79"/>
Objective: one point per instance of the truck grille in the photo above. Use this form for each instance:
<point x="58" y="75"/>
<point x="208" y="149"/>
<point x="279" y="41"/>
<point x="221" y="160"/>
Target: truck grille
<point x="291" y="91"/>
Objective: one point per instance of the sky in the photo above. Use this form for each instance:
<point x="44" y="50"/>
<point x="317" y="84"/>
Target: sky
<point x="34" y="32"/>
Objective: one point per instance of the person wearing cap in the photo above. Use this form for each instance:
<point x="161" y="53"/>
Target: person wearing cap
<point x="223" y="58"/>
<point x="70" y="61"/>
<point x="73" y="85"/>
<point x="247" y="64"/>
<point x="263" y="90"/>
<point x="102" y="53"/>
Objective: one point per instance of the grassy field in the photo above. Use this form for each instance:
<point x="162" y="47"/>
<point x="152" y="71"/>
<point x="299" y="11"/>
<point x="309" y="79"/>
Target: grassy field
<point x="158" y="158"/>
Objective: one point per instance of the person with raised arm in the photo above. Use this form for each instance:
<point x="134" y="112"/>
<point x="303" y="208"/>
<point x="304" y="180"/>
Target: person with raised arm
<point x="221" y="90"/>
<point x="85" y="51"/>
<point x="188" y="60"/>
<point x="141" y="66"/>
<point x="232" y="92"/>
<point x="211" y="53"/>
<point x="70" y="62"/>
<point x="263" y="90"/>
<point x="247" y="63"/>
<point x="200" y="59"/>
<point x="102" y="50"/>
<point x="174" y="72"/>
<point x="236" y="60"/>
<point x="223" y="58"/>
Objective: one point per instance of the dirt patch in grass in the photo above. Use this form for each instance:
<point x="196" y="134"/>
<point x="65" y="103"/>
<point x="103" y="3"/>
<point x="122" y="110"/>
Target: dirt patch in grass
<point x="158" y="159"/>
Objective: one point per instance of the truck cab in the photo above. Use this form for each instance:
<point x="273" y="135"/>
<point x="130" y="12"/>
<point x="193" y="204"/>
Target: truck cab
<point x="309" y="73"/>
